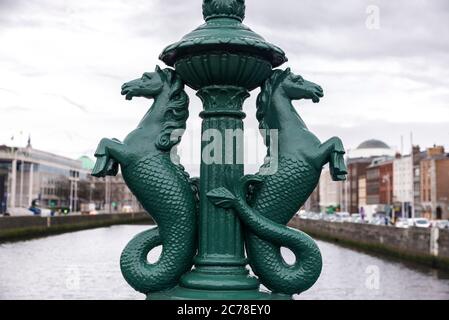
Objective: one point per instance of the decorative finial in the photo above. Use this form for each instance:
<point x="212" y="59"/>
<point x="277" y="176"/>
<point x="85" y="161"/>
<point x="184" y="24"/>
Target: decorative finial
<point x="224" y="8"/>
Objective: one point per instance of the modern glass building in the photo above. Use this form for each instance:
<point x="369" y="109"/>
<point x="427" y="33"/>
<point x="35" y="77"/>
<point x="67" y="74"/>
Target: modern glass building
<point x="59" y="183"/>
<point x="27" y="174"/>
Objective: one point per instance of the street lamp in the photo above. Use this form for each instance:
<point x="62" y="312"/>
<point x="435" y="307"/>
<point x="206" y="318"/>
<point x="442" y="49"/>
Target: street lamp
<point x="386" y="179"/>
<point x="208" y="223"/>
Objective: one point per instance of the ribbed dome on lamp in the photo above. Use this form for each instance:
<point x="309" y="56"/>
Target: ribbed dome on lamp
<point x="223" y="51"/>
<point x="224" y="8"/>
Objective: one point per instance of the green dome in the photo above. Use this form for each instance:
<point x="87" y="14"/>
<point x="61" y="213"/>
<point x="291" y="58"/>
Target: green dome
<point x="87" y="163"/>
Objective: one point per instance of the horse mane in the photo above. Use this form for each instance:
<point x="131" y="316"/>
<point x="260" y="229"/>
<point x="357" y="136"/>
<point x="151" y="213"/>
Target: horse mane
<point x="177" y="113"/>
<point x="265" y="96"/>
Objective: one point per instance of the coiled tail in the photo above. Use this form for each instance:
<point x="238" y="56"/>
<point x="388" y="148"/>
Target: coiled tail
<point x="135" y="266"/>
<point x="165" y="191"/>
<point x="268" y="237"/>
<point x="144" y="276"/>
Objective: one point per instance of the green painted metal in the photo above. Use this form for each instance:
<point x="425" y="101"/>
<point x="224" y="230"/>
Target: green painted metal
<point x="211" y="228"/>
<point x="162" y="187"/>
<point x="277" y="196"/>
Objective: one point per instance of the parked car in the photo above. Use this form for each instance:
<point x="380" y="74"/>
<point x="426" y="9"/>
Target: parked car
<point x="37" y="210"/>
<point x="440" y="224"/>
<point x="88" y="209"/>
<point x="356" y="218"/>
<point x="303" y="215"/>
<point x="378" y="221"/>
<point x="419" y="223"/>
<point x="127" y="209"/>
<point x="19" y="212"/>
<point x="343" y="217"/>
<point x="402" y="223"/>
<point x="330" y="218"/>
<point x="314" y="216"/>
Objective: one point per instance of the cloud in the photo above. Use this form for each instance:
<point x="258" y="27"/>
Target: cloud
<point x="73" y="103"/>
<point x="379" y="83"/>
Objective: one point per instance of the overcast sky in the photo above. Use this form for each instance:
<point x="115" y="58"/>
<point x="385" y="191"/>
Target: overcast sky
<point x="62" y="63"/>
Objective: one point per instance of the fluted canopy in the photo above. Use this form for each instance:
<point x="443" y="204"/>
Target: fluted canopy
<point x="224" y="8"/>
<point x="222" y="49"/>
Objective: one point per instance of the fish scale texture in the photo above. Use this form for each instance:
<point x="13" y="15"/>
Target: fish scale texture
<point x="164" y="190"/>
<point x="281" y="194"/>
<point x="278" y="198"/>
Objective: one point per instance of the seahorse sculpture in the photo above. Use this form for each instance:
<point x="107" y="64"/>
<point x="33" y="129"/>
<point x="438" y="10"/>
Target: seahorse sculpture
<point x="277" y="197"/>
<point x="161" y="186"/>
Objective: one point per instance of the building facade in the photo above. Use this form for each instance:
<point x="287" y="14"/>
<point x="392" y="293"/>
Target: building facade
<point x="351" y="195"/>
<point x="58" y="183"/>
<point x="330" y="192"/>
<point x="379" y="185"/>
<point x="381" y="181"/>
<point x="313" y="203"/>
<point x="354" y="193"/>
<point x="434" y="174"/>
<point x="403" y="184"/>
<point x="418" y="156"/>
<point x="356" y="172"/>
<point x="30" y="174"/>
<point x="362" y="193"/>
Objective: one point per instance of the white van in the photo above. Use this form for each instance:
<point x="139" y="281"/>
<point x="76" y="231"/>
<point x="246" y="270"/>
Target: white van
<point x="18" y="212"/>
<point x="419" y="223"/>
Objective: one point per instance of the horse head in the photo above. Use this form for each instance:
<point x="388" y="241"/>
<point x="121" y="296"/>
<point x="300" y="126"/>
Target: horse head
<point x="148" y="86"/>
<point x="296" y="88"/>
<point x="274" y="108"/>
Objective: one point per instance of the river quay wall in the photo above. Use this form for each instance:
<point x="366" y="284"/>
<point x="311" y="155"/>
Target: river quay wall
<point x="20" y="228"/>
<point x="423" y="245"/>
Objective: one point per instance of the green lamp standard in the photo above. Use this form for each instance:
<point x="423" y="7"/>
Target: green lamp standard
<point x="226" y="220"/>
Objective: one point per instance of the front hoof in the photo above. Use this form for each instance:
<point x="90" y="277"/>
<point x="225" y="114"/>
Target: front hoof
<point x="101" y="167"/>
<point x="339" y="177"/>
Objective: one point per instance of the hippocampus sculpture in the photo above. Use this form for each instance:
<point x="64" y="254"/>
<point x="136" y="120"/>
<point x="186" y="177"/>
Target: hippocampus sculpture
<point x="276" y="197"/>
<point x="161" y="186"/>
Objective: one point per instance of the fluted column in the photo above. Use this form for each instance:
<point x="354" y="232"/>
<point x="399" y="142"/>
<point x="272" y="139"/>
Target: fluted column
<point x="220" y="231"/>
<point x="220" y="263"/>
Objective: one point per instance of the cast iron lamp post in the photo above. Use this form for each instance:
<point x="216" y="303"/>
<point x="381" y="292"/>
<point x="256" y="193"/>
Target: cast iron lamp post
<point x="225" y="220"/>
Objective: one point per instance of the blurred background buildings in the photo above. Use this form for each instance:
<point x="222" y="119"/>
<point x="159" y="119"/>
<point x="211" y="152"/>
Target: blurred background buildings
<point x="381" y="180"/>
<point x="58" y="183"/>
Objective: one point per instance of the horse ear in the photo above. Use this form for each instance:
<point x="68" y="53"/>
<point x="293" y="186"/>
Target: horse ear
<point x="158" y="69"/>
<point x="288" y="70"/>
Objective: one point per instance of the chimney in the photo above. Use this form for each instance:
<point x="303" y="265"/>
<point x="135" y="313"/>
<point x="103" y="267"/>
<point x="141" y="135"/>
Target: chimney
<point x="435" y="151"/>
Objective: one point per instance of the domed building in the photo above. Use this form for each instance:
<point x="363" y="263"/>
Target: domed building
<point x="371" y="148"/>
<point x="87" y="163"/>
<point x="351" y="196"/>
<point x="358" y="162"/>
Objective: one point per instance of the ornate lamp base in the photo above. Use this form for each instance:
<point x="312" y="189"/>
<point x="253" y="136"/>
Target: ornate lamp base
<point x="181" y="293"/>
<point x="210" y="223"/>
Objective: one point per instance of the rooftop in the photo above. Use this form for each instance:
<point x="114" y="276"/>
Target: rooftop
<point x="38" y="156"/>
<point x="373" y="144"/>
<point x="371" y="148"/>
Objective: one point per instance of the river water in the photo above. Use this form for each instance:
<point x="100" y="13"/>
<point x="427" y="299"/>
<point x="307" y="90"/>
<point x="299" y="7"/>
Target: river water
<point x="85" y="265"/>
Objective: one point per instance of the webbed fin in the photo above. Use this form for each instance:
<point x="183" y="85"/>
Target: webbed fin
<point x="222" y="197"/>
